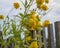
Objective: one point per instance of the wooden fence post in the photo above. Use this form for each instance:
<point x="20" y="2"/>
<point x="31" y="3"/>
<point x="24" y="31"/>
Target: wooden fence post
<point x="57" y="32"/>
<point x="44" y="38"/>
<point x="50" y="36"/>
<point x="32" y="34"/>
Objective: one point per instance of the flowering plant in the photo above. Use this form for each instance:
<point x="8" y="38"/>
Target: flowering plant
<point x="27" y="23"/>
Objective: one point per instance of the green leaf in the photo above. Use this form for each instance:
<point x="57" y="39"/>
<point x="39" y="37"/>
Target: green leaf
<point x="26" y="3"/>
<point x="5" y="30"/>
<point x="41" y="44"/>
<point x="21" y="14"/>
<point x="14" y="28"/>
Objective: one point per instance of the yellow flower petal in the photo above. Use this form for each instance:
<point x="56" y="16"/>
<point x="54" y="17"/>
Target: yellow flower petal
<point x="47" y="1"/>
<point x="28" y="39"/>
<point x="39" y="1"/>
<point x="1" y="17"/>
<point x="46" y="23"/>
<point x="32" y="22"/>
<point x="44" y="7"/>
<point x="16" y="5"/>
<point x="34" y="45"/>
<point x="39" y="23"/>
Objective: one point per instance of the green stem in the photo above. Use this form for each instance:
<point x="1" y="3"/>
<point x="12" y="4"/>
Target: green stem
<point x="30" y="4"/>
<point x="25" y="7"/>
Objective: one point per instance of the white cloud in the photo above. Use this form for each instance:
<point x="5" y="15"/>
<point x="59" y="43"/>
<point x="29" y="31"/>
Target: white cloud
<point x="54" y="14"/>
<point x="57" y="1"/>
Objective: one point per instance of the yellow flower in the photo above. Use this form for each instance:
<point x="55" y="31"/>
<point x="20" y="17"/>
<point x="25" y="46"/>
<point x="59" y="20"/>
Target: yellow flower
<point x="39" y="6"/>
<point x="39" y="24"/>
<point x="1" y="17"/>
<point x="44" y="7"/>
<point x="33" y="16"/>
<point x="46" y="23"/>
<point x="39" y="1"/>
<point x="32" y="23"/>
<point x="47" y="1"/>
<point x="34" y="45"/>
<point x="16" y="5"/>
<point x="28" y="39"/>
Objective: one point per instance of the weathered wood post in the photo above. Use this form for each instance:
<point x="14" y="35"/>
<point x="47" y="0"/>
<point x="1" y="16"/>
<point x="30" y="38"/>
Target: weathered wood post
<point x="44" y="38"/>
<point x="39" y="39"/>
<point x="32" y="34"/>
<point x="50" y="36"/>
<point x="57" y="32"/>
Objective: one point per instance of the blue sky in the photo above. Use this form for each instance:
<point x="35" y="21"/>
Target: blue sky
<point x="53" y="15"/>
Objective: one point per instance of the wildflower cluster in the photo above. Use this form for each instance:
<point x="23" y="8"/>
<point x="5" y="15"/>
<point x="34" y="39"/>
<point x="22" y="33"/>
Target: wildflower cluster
<point x="28" y="23"/>
<point x="41" y="4"/>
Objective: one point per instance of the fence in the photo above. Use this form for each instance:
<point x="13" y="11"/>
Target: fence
<point x="50" y="41"/>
